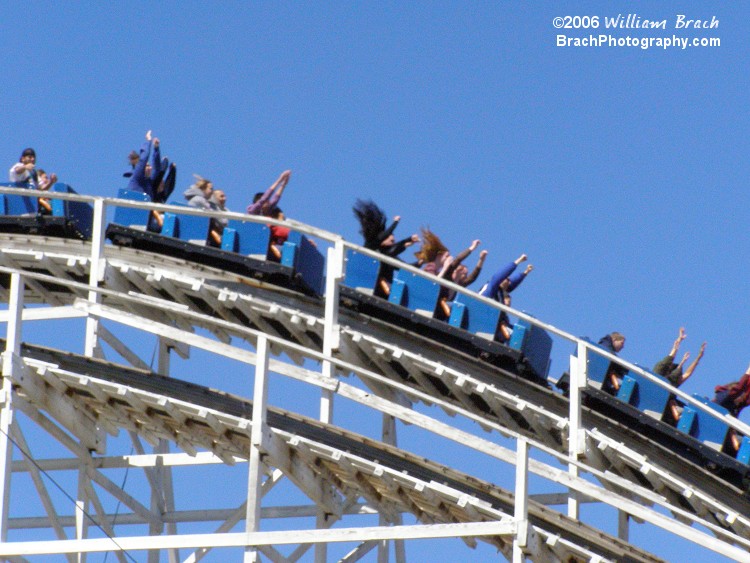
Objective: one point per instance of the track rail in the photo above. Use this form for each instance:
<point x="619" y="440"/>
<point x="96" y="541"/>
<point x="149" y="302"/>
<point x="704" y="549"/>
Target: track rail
<point x="189" y="305"/>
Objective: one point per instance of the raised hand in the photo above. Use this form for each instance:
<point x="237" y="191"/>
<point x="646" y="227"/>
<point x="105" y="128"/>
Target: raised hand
<point x="682" y="336"/>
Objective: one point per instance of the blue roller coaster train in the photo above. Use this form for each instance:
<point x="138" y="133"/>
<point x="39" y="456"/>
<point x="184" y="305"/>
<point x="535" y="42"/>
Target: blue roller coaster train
<point x="700" y="435"/>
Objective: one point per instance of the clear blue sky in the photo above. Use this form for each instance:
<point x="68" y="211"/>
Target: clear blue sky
<point x="621" y="172"/>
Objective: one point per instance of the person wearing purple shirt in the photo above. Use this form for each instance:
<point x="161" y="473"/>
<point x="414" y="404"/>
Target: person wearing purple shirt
<point x="264" y="202"/>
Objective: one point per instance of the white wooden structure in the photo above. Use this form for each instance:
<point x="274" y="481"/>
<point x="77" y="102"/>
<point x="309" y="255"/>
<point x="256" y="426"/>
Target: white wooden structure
<point x="98" y="455"/>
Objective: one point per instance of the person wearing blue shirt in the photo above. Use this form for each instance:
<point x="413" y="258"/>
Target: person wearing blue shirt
<point x="150" y="173"/>
<point x="506" y="278"/>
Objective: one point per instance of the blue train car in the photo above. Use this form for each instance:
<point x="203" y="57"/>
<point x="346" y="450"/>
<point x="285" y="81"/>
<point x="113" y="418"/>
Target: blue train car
<point x="244" y="246"/>
<point x="48" y="217"/>
<point x="412" y="304"/>
<point x="643" y="394"/>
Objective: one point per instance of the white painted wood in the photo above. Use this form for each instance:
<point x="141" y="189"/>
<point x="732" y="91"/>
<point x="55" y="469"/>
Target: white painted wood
<point x="331" y="338"/>
<point x="12" y="266"/>
<point x="576" y="484"/>
<point x="45" y="314"/>
<point x="11" y="367"/>
<point x="81" y="511"/>
<point x="96" y="270"/>
<point x="116" y="491"/>
<point x="259" y="538"/>
<point x="576" y="444"/>
<point x="6" y="446"/>
<point x="388" y="433"/>
<point x="521" y="509"/>
<point x="15" y="311"/>
<point x="78" y="421"/>
<point x="257" y="446"/>
<point x="118" y="346"/>
<point x="102" y="521"/>
<point x="302" y="475"/>
<point x="39" y="484"/>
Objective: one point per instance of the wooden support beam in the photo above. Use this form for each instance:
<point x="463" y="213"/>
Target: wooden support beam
<point x="74" y="416"/>
<point x="285" y="457"/>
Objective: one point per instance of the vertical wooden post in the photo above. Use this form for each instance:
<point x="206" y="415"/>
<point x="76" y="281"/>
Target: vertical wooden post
<point x="257" y="437"/>
<point x="82" y="506"/>
<point x="95" y="272"/>
<point x="11" y="359"/>
<point x="334" y="275"/>
<point x="521" y="512"/>
<point x="576" y="436"/>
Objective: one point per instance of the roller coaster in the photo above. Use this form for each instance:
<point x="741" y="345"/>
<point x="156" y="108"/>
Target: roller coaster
<point x="202" y="455"/>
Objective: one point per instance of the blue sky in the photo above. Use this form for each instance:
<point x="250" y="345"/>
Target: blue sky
<point x="621" y="172"/>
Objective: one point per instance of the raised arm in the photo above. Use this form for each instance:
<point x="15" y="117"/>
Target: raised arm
<point x="448" y="267"/>
<point x="48" y="183"/>
<point x="398" y="247"/>
<point x="684" y="359"/>
<point x="472" y="277"/>
<point x="676" y="346"/>
<point x="272" y="195"/>
<point x="138" y="179"/>
<point x="277" y="188"/>
<point x="691" y="368"/>
<point x="464" y="254"/>
<point x="516" y="279"/>
<point x="156" y="162"/>
<point x="493" y="287"/>
<point x="19" y="168"/>
<point x="389" y="231"/>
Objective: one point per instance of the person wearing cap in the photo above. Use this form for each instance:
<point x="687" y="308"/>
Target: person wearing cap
<point x="24" y="172"/>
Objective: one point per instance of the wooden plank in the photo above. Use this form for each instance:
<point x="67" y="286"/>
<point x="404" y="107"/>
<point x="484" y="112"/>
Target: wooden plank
<point x="75" y="417"/>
